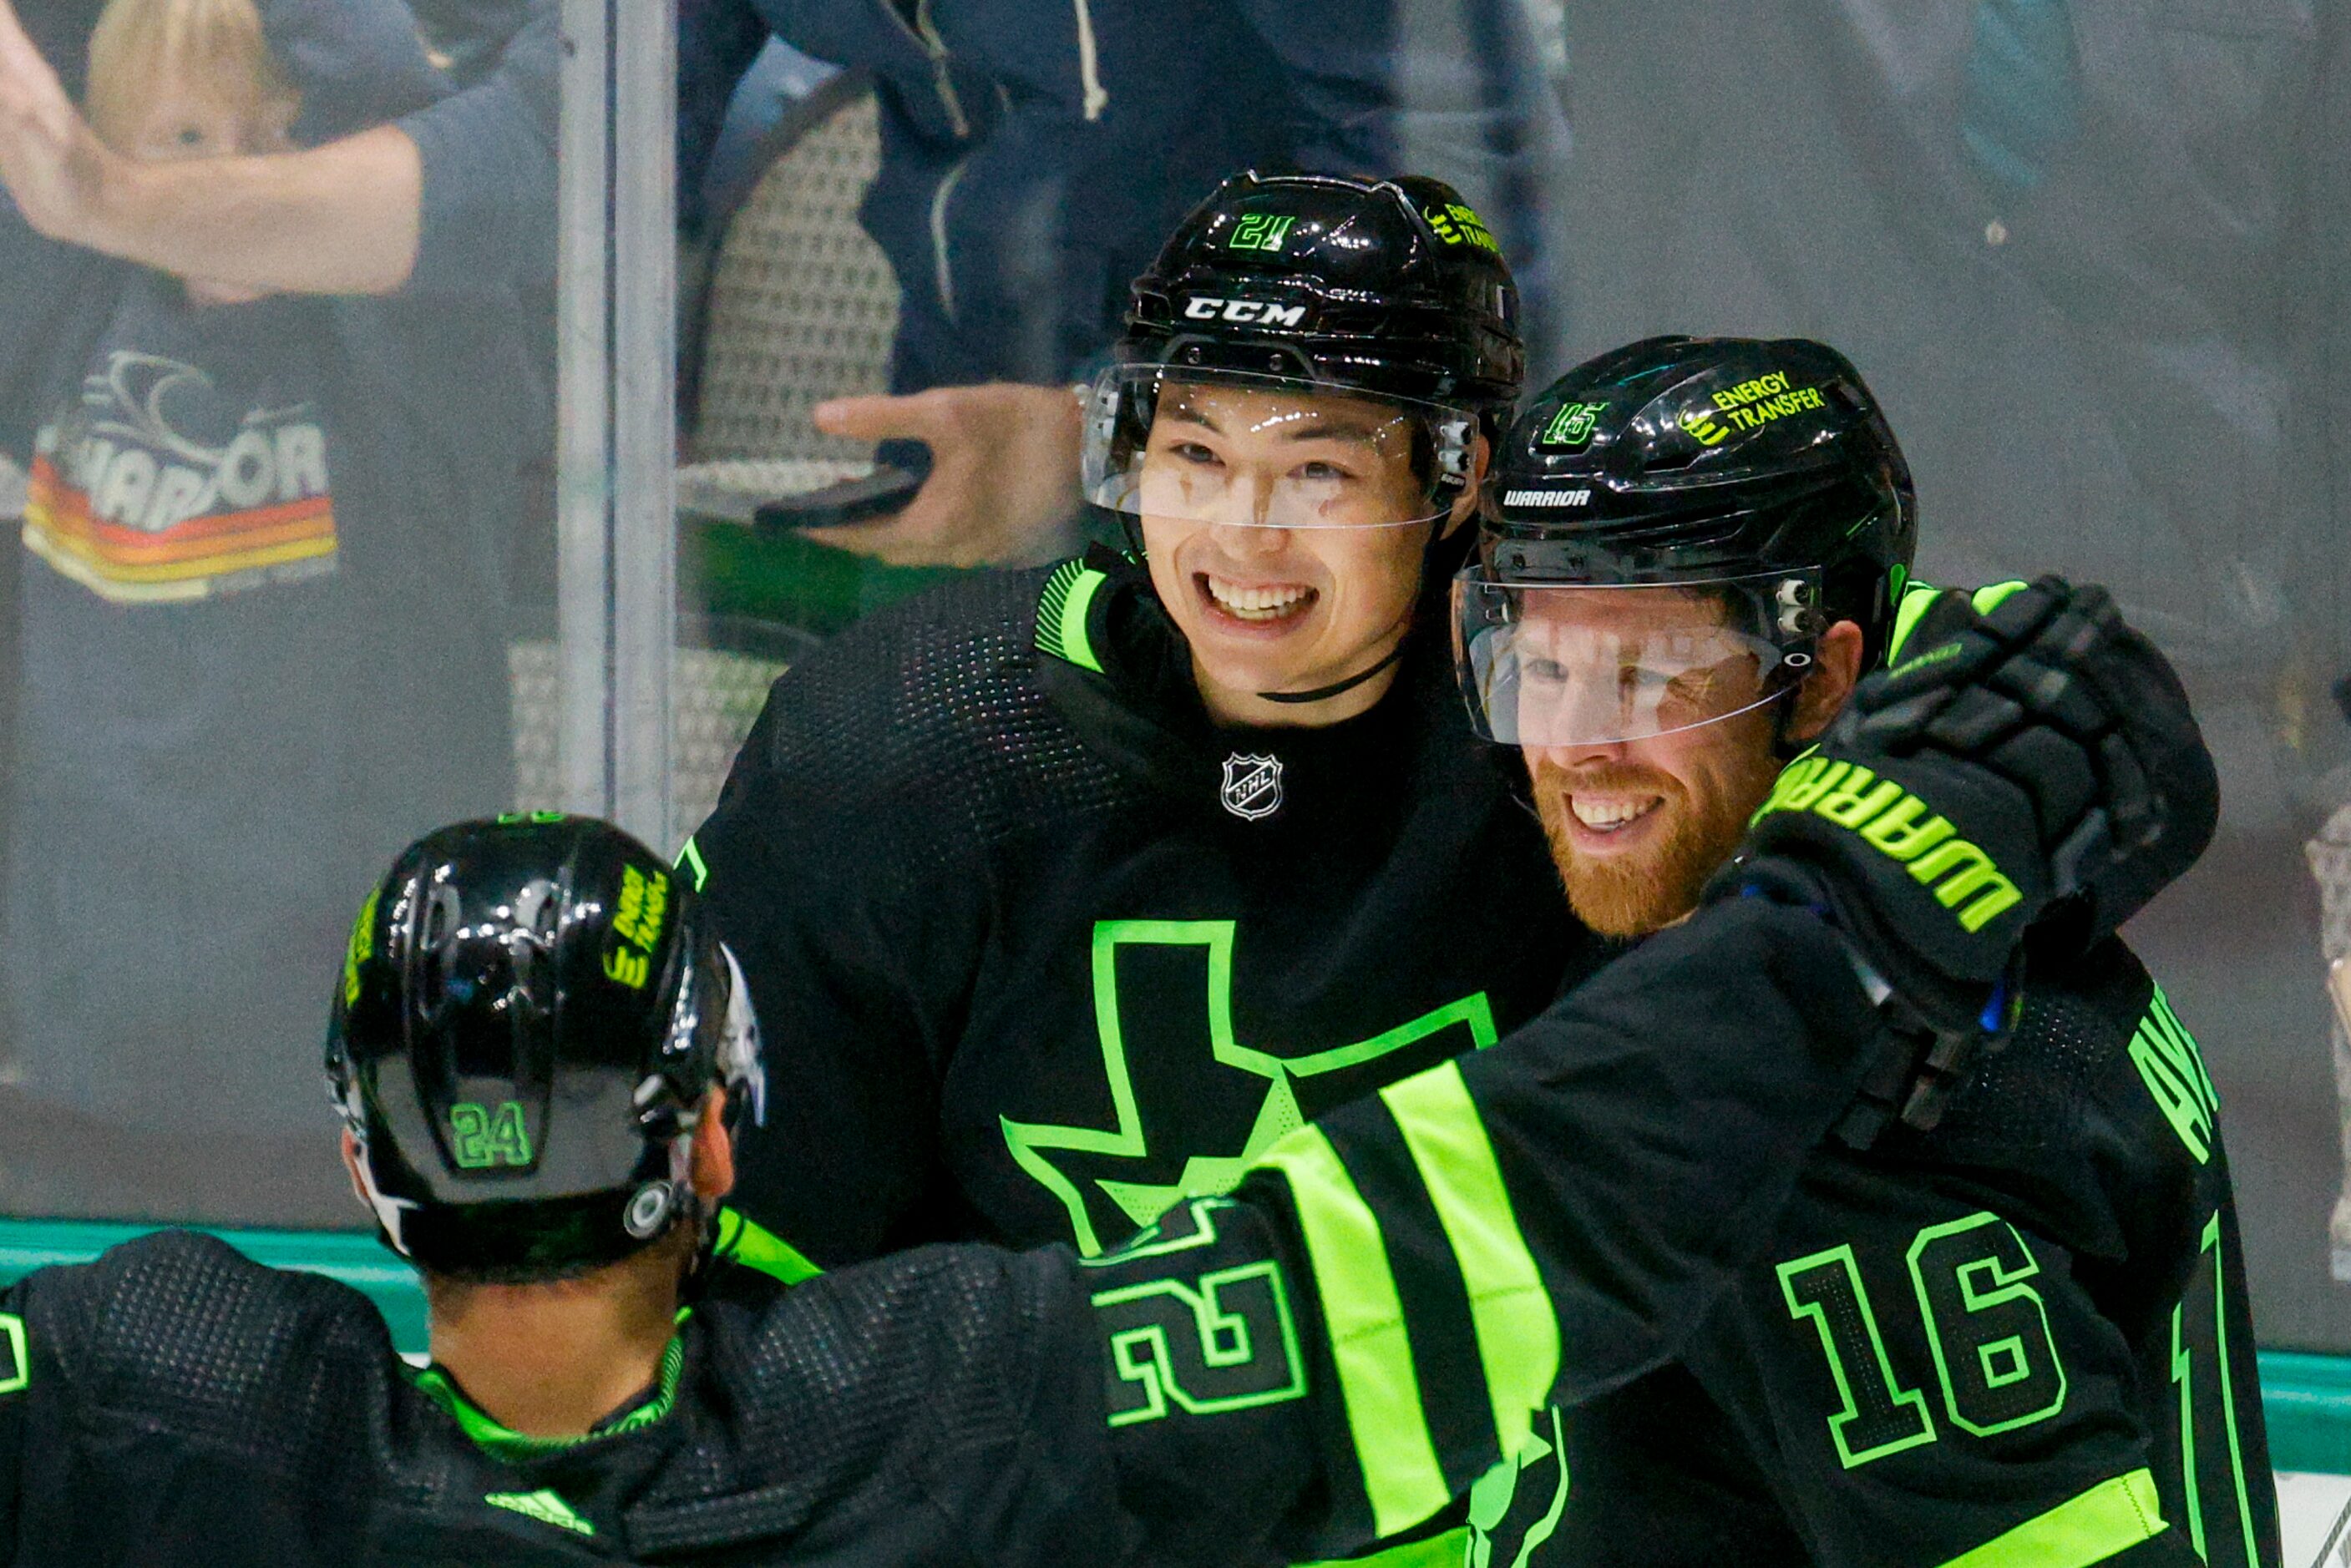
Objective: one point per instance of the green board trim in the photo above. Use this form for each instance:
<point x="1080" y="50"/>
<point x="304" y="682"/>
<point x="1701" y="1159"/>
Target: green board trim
<point x="2306" y="1404"/>
<point x="783" y="577"/>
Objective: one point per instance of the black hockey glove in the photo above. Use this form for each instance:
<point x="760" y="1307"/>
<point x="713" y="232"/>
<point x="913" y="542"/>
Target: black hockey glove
<point x="2018" y="769"/>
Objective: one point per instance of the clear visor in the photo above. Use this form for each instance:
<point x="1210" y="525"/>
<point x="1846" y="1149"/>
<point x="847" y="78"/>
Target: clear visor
<point x="1559" y="665"/>
<point x="1202" y="446"/>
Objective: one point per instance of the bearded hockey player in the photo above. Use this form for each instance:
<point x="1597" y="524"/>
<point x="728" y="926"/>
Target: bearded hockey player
<point x="2009" y="1325"/>
<point x="541" y="1057"/>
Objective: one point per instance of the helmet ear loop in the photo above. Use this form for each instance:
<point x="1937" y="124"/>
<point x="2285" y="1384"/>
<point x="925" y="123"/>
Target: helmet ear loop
<point x="1444" y="459"/>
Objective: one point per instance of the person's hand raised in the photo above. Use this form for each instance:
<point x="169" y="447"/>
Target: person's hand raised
<point x="53" y="165"/>
<point x="1004" y="474"/>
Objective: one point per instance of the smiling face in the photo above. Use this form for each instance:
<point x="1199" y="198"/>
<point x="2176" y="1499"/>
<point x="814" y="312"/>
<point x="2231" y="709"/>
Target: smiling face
<point x="1638" y="825"/>
<point x="1286" y="532"/>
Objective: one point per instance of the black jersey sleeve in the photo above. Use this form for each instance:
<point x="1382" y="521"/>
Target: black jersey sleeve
<point x="2022" y="1335"/>
<point x="1530" y="1226"/>
<point x="841" y="875"/>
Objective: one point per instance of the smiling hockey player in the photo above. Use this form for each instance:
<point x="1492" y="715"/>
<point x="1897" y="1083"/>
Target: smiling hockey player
<point x="1075" y="890"/>
<point x="2011" y="1328"/>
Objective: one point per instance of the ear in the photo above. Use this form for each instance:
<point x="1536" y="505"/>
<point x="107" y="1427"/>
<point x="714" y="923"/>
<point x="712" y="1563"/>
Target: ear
<point x="1836" y="667"/>
<point x="352" y="1167"/>
<point x="1464" y="506"/>
<point x="712" y="1171"/>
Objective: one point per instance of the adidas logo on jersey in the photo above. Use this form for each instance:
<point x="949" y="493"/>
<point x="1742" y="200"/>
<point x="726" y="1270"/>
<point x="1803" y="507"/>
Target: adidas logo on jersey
<point x="1900" y="826"/>
<point x="543" y="1506"/>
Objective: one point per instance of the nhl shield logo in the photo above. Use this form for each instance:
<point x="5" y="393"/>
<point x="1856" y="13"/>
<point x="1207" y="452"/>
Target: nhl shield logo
<point x="1252" y="787"/>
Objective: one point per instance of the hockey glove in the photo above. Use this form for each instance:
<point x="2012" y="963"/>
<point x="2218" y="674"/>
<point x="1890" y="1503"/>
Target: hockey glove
<point x="2009" y="766"/>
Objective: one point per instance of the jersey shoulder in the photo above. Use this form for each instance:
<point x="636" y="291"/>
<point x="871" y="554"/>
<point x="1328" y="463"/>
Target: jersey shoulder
<point x="199" y="1388"/>
<point x="184" y="1328"/>
<point x="2095" y="1117"/>
<point x="933" y="704"/>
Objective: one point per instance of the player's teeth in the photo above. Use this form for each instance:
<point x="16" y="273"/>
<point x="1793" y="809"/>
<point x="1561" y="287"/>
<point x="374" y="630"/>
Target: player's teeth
<point x="1251" y="603"/>
<point x="1606" y="814"/>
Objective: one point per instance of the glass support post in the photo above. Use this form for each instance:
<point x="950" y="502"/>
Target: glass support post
<point x="616" y="531"/>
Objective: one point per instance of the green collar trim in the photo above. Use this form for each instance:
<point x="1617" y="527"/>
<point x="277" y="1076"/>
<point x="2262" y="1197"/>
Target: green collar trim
<point x="494" y="1437"/>
<point x="1062" y="612"/>
<point x="753" y="1245"/>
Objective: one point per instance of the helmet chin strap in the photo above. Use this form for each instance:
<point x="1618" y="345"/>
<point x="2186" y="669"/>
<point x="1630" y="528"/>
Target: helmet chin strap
<point x="1436" y="537"/>
<point x="1349" y="684"/>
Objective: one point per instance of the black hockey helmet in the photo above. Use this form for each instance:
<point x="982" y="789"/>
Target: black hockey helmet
<point x="1391" y="291"/>
<point x="1761" y="471"/>
<point x="530" y="1014"/>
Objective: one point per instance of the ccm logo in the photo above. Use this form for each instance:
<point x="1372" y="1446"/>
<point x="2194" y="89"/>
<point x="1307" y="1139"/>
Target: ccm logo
<point x="1547" y="498"/>
<point x="1200" y="307"/>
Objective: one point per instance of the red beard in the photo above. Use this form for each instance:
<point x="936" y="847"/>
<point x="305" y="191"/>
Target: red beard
<point x="1635" y="893"/>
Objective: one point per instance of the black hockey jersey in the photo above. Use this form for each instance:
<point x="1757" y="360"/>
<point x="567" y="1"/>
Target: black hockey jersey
<point x="2021" y="1338"/>
<point x="1037" y="949"/>
<point x="1326" y="1358"/>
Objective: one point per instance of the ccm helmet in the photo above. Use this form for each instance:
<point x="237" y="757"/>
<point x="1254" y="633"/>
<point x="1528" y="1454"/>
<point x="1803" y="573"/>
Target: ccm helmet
<point x="529" y="1017"/>
<point x="1668" y="530"/>
<point x="1282" y="290"/>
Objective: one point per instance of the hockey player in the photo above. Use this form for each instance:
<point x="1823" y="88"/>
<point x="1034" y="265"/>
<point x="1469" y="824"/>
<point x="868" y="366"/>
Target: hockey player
<point x="541" y="1056"/>
<point x="1070" y="892"/>
<point x="2010" y="1327"/>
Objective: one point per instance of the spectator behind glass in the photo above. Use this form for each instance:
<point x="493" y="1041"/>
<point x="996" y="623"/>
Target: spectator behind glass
<point x="262" y="634"/>
<point x="1035" y="152"/>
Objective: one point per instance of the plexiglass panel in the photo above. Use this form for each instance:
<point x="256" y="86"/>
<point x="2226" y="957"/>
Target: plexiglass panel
<point x="285" y="592"/>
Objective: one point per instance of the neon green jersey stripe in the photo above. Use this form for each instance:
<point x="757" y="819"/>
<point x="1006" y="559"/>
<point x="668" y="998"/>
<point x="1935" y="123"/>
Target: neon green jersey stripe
<point x="2110" y="1516"/>
<point x="690" y="858"/>
<point x="1364" y="1322"/>
<point x="1517" y="1331"/>
<point x="1075" y="647"/>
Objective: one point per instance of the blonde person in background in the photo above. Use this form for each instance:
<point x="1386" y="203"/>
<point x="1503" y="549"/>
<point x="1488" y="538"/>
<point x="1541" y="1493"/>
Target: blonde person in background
<point x="261" y="635"/>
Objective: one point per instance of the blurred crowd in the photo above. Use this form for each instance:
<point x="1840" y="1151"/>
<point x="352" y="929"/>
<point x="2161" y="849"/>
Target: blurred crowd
<point x="276" y="368"/>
